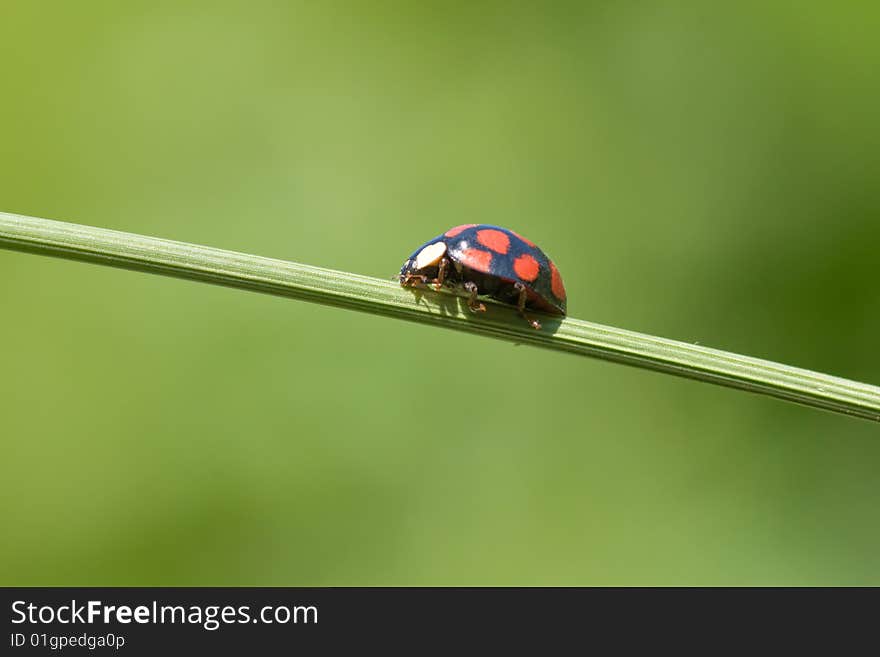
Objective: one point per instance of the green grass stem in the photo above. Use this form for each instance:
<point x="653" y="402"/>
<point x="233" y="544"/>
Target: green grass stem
<point x="386" y="297"/>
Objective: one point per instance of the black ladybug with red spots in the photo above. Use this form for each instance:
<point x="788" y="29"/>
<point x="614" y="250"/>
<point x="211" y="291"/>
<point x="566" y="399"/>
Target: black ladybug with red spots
<point x="491" y="261"/>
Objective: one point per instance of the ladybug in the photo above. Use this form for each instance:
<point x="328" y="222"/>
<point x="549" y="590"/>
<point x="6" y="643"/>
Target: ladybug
<point x="488" y="260"/>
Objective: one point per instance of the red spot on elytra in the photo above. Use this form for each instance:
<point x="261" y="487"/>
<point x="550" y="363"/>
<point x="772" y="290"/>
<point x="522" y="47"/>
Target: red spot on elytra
<point x="556" y="283"/>
<point x="529" y="242"/>
<point x="452" y="232"/>
<point x="494" y="239"/>
<point x="526" y="267"/>
<point x="475" y="259"/>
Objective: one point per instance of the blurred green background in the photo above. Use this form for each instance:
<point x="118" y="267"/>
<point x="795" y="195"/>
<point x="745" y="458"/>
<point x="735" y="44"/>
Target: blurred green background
<point x="698" y="171"/>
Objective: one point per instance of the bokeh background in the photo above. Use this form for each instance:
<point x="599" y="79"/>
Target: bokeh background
<point x="701" y="171"/>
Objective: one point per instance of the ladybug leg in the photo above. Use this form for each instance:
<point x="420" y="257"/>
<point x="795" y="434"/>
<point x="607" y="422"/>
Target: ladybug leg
<point x="441" y="273"/>
<point x="413" y="280"/>
<point x="521" y="305"/>
<point x="473" y="304"/>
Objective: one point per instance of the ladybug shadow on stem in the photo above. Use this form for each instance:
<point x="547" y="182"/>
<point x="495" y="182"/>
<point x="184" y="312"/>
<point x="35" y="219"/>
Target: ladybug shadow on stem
<point x="445" y="302"/>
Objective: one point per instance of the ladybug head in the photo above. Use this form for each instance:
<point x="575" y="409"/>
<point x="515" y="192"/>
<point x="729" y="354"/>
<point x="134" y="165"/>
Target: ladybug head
<point x="425" y="260"/>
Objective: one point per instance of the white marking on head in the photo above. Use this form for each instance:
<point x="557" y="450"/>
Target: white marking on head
<point x="430" y="255"/>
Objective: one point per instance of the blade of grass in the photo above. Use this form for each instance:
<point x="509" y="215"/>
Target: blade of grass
<point x="386" y="297"/>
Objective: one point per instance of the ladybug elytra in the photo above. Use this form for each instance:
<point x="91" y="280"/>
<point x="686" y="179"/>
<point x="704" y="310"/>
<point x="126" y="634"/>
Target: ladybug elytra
<point x="492" y="261"/>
